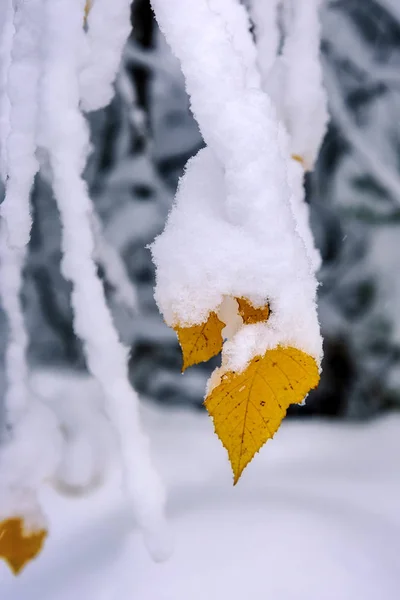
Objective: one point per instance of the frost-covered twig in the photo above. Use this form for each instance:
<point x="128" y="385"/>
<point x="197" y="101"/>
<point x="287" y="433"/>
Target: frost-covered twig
<point x="16" y="368"/>
<point x="114" y="267"/>
<point x="20" y="144"/>
<point x="267" y="34"/>
<point x="20" y="41"/>
<point x="247" y="244"/>
<point x="293" y="79"/>
<point x="67" y="144"/>
<point x="305" y="102"/>
<point x="108" y="27"/>
<point x="392" y="7"/>
<point x="388" y="178"/>
<point x="6" y="40"/>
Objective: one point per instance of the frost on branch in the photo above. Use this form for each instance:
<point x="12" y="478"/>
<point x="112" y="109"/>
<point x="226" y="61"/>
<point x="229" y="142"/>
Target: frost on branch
<point x="108" y="25"/>
<point x="239" y="232"/>
<point x="51" y="69"/>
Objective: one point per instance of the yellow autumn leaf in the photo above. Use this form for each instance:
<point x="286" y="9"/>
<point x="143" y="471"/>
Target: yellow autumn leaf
<point x="247" y="408"/>
<point x="88" y="6"/>
<point x="200" y="342"/>
<point x="19" y="545"/>
<point x="299" y="159"/>
<point x="250" y="314"/>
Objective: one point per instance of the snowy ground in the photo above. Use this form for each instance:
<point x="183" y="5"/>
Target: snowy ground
<point x="315" y="516"/>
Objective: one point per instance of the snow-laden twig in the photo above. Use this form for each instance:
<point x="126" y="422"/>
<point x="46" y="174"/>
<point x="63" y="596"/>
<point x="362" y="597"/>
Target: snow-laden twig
<point x="267" y="34"/>
<point x="114" y="267"/>
<point x="304" y="97"/>
<point x="387" y="177"/>
<point x="108" y="28"/>
<point x="20" y="144"/>
<point x="246" y="244"/>
<point x="281" y="77"/>
<point x="6" y="40"/>
<point x="392" y="7"/>
<point x="67" y="144"/>
<point x="16" y="368"/>
<point x="20" y="42"/>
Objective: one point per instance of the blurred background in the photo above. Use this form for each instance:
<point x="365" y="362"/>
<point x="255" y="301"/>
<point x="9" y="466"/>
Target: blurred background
<point x="140" y="146"/>
<point x="320" y="502"/>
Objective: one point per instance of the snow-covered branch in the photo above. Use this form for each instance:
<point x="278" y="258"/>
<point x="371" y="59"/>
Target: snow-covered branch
<point x="46" y="78"/>
<point x="234" y="193"/>
<point x="388" y="178"/>
<point x="67" y="145"/>
<point x="108" y="27"/>
<point x="20" y="144"/>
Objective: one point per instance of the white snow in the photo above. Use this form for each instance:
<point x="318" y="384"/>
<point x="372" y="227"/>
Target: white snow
<point x="22" y="82"/>
<point x="314" y="517"/>
<point x="42" y="48"/>
<point x="265" y="17"/>
<point x="108" y="27"/>
<point x="16" y="366"/>
<point x="67" y="145"/>
<point x="304" y="97"/>
<point x="233" y="229"/>
<point x="114" y="268"/>
<point x="6" y="39"/>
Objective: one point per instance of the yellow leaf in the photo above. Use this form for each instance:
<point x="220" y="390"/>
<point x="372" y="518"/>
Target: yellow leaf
<point x="88" y="6"/>
<point x="247" y="408"/>
<point x="18" y="545"/>
<point x="200" y="342"/>
<point x="250" y="314"/>
<point x="299" y="159"/>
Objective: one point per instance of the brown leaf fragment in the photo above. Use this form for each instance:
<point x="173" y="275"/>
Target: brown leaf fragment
<point x="250" y="314"/>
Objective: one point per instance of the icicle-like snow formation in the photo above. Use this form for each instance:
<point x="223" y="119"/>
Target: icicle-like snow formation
<point x="30" y="451"/>
<point x="293" y="80"/>
<point x="6" y="37"/>
<point x="43" y="45"/>
<point x="109" y="26"/>
<point x="19" y="62"/>
<point x="233" y="231"/>
<point x="16" y="368"/>
<point x="264" y="15"/>
<point x="20" y="144"/>
<point x="305" y="100"/>
<point x="114" y="268"/>
<point x="67" y="145"/>
<point x="293" y="75"/>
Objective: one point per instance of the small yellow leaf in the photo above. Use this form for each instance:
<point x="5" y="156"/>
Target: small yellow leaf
<point x="299" y="159"/>
<point x="18" y="545"/>
<point x="88" y="6"/>
<point x="247" y="408"/>
<point x="250" y="314"/>
<point x="200" y="342"/>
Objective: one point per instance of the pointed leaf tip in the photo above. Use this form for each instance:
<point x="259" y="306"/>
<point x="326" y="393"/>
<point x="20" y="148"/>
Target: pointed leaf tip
<point x="18" y="545"/>
<point x="247" y="408"/>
